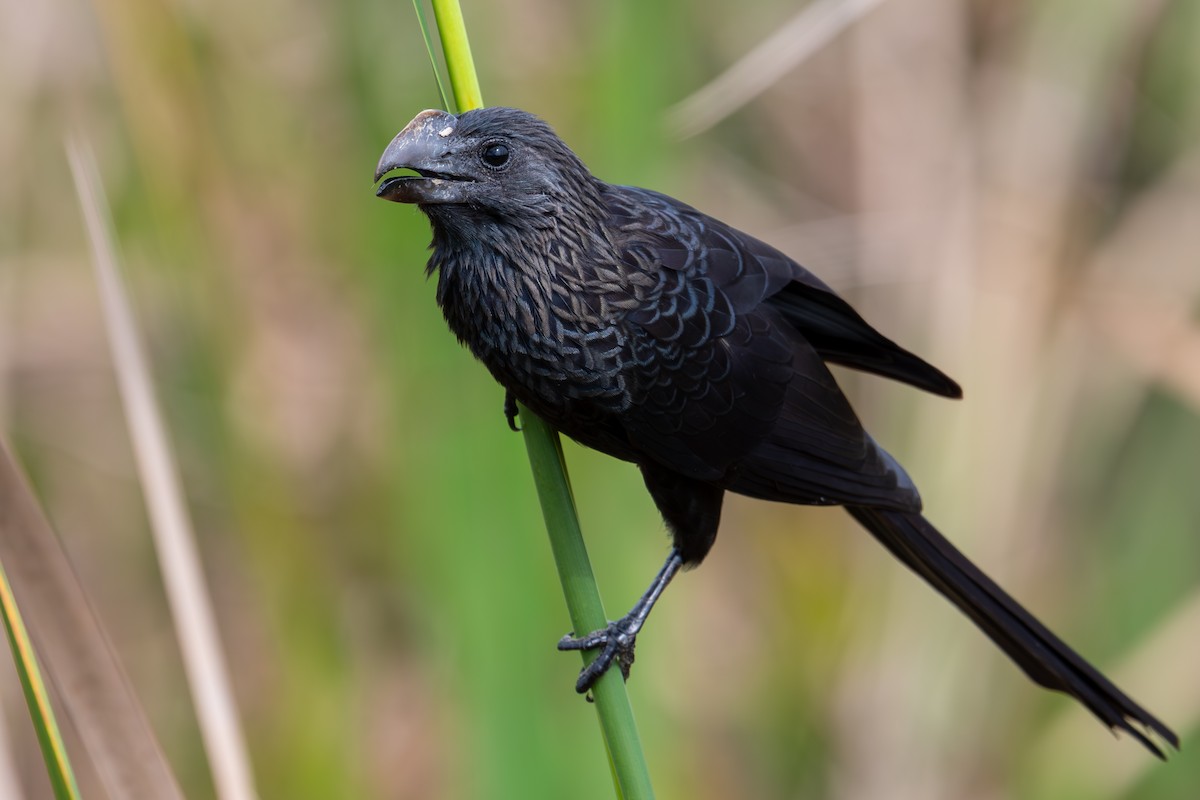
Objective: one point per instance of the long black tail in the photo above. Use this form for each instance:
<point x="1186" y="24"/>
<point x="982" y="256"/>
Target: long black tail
<point x="1043" y="656"/>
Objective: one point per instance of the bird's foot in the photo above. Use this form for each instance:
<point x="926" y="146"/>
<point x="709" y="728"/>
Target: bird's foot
<point x="510" y="411"/>
<point x="615" y="643"/>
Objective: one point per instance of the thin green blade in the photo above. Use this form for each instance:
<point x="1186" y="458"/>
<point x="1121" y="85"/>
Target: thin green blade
<point x="58" y="766"/>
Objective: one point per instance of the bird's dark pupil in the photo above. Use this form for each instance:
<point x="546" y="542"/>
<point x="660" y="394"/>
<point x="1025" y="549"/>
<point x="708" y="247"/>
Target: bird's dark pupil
<point x="495" y="155"/>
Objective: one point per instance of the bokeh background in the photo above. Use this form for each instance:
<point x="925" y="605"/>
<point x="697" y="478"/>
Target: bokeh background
<point x="1008" y="187"/>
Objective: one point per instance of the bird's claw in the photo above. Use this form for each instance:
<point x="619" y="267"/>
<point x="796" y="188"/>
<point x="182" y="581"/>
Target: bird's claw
<point x="616" y="644"/>
<point x="510" y="411"/>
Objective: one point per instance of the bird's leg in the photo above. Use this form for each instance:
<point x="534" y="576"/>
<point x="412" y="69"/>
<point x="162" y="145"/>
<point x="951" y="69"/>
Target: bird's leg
<point x="510" y="410"/>
<point x="619" y="638"/>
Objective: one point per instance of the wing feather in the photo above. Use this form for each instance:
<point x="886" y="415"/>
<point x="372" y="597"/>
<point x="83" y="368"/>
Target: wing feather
<point x="751" y="272"/>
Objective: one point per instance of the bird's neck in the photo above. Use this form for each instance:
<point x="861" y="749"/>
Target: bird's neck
<point x="544" y="239"/>
<point x="502" y="281"/>
<point x="485" y="287"/>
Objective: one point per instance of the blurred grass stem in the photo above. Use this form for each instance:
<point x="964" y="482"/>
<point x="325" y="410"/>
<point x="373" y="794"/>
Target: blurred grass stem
<point x="173" y="537"/>
<point x="630" y="773"/>
<point x="813" y="27"/>
<point x="433" y="62"/>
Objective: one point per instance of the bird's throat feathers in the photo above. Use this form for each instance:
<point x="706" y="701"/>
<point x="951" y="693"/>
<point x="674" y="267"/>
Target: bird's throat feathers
<point x="507" y="292"/>
<point x="487" y="292"/>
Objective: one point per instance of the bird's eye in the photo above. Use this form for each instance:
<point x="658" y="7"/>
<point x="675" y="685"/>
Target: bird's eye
<point x="495" y="155"/>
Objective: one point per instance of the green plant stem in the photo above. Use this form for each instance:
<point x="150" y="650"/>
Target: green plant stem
<point x="630" y="774"/>
<point x="456" y="48"/>
<point x="583" y="603"/>
<point x="58" y="767"/>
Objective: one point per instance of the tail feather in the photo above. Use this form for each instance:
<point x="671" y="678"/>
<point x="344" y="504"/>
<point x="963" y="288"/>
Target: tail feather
<point x="1042" y="655"/>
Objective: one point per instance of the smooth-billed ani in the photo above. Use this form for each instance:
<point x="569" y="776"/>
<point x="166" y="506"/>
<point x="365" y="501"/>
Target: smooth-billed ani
<point x="639" y="326"/>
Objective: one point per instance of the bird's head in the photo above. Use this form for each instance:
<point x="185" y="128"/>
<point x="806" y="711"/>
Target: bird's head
<point x="499" y="161"/>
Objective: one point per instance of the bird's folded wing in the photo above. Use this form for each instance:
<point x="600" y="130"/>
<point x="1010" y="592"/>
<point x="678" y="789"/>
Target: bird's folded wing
<point x="750" y="272"/>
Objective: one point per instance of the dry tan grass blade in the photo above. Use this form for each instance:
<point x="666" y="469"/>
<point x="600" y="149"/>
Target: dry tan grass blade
<point x="9" y="787"/>
<point x="187" y="595"/>
<point x="770" y="60"/>
<point x="75" y="651"/>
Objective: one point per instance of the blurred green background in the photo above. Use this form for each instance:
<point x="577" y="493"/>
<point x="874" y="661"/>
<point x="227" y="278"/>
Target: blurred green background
<point x="1009" y="187"/>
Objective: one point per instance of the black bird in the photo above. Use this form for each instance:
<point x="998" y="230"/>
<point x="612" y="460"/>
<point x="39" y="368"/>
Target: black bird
<point x="639" y="326"/>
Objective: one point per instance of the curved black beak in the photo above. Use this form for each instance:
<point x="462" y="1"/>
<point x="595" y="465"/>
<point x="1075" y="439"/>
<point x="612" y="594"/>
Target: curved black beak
<point x="423" y="146"/>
